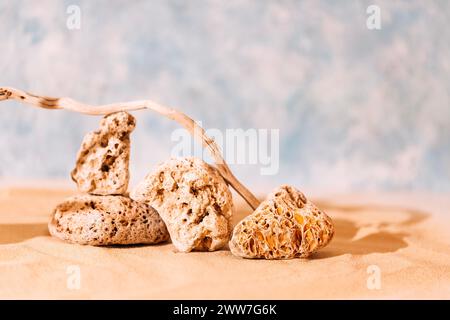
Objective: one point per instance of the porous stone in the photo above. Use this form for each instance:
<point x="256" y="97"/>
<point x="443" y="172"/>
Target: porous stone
<point x="286" y="225"/>
<point x="107" y="220"/>
<point x="193" y="200"/>
<point x="103" y="159"/>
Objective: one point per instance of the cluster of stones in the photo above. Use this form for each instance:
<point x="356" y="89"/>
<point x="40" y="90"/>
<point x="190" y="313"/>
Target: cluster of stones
<point x="184" y="199"/>
<point x="104" y="214"/>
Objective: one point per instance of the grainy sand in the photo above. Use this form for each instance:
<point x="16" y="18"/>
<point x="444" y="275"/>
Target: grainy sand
<point x="404" y="236"/>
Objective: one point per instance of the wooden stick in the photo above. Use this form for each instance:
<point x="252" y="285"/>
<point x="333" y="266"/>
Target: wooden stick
<point x="190" y="125"/>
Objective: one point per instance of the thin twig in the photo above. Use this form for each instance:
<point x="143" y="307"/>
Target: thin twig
<point x="190" y="125"/>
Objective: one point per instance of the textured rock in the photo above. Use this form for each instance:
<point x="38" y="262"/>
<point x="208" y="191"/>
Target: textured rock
<point x="106" y="220"/>
<point x="193" y="200"/>
<point x="103" y="160"/>
<point x="285" y="225"/>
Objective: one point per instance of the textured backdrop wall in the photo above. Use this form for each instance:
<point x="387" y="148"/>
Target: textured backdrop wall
<point x="357" y="109"/>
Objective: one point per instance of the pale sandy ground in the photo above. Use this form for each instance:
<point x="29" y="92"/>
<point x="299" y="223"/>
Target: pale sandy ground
<point x="406" y="236"/>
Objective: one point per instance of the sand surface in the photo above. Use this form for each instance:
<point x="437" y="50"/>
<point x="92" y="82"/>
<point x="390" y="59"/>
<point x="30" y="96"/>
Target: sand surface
<point x="386" y="246"/>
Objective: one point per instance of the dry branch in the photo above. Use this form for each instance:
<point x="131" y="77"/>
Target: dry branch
<point x="190" y="125"/>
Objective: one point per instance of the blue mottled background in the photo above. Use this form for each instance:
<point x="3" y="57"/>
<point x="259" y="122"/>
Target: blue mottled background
<point x="357" y="109"/>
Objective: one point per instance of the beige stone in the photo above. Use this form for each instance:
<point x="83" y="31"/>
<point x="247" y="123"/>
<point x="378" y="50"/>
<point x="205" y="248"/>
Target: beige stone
<point x="193" y="200"/>
<point x="286" y="225"/>
<point x="103" y="159"/>
<point x="107" y="220"/>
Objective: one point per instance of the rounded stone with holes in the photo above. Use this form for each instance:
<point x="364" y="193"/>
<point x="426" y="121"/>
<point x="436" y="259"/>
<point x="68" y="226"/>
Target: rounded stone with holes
<point x="106" y="220"/>
<point x="193" y="200"/>
<point x="286" y="225"/>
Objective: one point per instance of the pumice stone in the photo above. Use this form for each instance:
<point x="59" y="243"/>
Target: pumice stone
<point x="193" y="200"/>
<point x="107" y="220"/>
<point x="103" y="159"/>
<point x="286" y="225"/>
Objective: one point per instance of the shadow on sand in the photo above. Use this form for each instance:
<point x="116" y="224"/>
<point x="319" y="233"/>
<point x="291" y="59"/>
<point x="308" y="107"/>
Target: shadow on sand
<point x="378" y="240"/>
